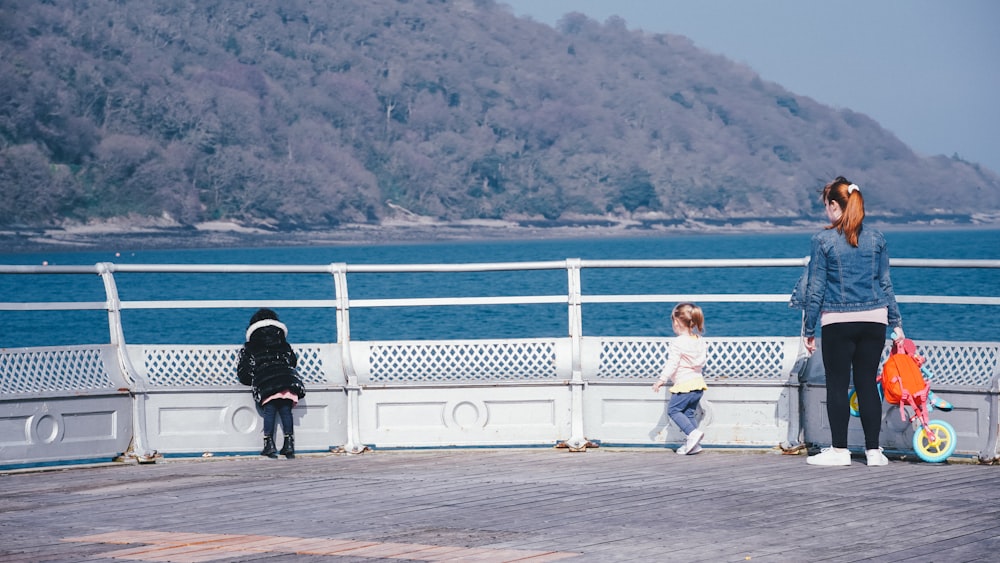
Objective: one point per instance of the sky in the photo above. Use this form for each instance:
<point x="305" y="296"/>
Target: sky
<point x="926" y="70"/>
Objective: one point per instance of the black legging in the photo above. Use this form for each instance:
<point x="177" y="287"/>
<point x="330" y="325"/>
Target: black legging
<point x="856" y="346"/>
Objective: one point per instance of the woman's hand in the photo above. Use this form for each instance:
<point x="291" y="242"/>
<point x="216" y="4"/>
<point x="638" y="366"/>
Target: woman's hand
<point x="810" y="344"/>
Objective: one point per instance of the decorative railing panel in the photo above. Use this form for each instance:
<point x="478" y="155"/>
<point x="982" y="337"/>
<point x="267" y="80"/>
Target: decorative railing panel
<point x="206" y="366"/>
<point x="750" y="358"/>
<point x="185" y="366"/>
<point x="969" y="364"/>
<point x="462" y="362"/>
<point x="48" y="370"/>
<point x="728" y="358"/>
<point x="628" y="358"/>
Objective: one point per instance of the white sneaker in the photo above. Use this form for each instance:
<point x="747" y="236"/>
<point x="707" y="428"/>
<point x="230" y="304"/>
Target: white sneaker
<point x="684" y="450"/>
<point x="876" y="457"/>
<point x="692" y="444"/>
<point x="831" y="457"/>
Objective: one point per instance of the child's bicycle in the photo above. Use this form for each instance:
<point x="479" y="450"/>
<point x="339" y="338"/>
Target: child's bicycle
<point x="903" y="375"/>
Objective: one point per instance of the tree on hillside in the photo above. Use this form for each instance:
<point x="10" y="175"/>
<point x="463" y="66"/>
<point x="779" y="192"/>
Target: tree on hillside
<point x="300" y="115"/>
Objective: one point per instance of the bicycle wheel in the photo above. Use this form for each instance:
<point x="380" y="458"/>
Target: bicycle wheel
<point x="938" y="449"/>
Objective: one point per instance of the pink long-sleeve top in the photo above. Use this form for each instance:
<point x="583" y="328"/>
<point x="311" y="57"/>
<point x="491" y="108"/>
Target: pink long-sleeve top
<point x="685" y="360"/>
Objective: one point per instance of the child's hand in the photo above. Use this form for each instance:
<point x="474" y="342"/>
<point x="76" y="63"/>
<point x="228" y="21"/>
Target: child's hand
<point x="657" y="385"/>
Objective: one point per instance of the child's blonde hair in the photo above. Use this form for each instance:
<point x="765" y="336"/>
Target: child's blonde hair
<point x="689" y="315"/>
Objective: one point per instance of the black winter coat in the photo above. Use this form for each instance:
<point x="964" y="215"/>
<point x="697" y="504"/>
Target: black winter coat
<point x="267" y="362"/>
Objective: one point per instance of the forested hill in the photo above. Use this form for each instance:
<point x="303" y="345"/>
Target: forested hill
<point x="303" y="113"/>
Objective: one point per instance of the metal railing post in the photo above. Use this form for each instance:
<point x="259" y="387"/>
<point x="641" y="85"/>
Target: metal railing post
<point x="991" y="452"/>
<point x="137" y="388"/>
<point x="577" y="441"/>
<point x="351" y="386"/>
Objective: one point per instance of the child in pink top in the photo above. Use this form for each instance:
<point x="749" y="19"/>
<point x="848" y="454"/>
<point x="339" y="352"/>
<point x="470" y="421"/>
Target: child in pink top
<point x="685" y="361"/>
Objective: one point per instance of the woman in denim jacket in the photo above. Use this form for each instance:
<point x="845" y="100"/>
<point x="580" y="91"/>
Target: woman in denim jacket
<point x="849" y="293"/>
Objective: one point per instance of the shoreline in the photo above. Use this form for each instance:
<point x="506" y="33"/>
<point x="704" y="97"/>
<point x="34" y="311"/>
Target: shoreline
<point x="97" y="238"/>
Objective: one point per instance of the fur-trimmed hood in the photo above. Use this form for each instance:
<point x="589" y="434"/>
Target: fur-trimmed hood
<point x="265" y="323"/>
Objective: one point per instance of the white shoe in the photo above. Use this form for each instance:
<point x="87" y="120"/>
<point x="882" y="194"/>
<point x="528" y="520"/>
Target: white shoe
<point x="831" y="457"/>
<point x="684" y="450"/>
<point x="692" y="444"/>
<point x="876" y="457"/>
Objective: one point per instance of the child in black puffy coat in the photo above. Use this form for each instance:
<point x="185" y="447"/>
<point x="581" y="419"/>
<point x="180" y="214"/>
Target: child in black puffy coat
<point x="267" y="364"/>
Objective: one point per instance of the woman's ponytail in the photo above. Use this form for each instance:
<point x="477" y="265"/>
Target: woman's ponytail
<point x="852" y="204"/>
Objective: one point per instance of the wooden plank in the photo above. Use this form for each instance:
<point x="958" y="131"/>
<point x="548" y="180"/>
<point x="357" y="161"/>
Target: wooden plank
<point x="498" y="505"/>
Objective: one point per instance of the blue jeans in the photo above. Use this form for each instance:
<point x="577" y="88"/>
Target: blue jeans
<point x="682" y="408"/>
<point x="281" y="407"/>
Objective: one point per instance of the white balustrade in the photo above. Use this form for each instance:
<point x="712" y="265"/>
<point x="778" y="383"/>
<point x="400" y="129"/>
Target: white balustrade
<point x="86" y="403"/>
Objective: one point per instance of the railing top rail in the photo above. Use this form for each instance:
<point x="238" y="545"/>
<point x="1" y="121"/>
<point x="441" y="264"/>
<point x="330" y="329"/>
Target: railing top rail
<point x="465" y="301"/>
<point x="224" y="268"/>
<point x="19" y="269"/>
<point x="53" y="306"/>
<point x="281" y="268"/>
<point x="943" y="263"/>
<point x="465" y="267"/>
<point x="562" y="264"/>
<point x="469" y="267"/>
<point x="697" y="263"/>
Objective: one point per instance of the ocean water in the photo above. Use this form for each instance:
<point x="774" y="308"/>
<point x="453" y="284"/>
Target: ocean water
<point x="226" y="326"/>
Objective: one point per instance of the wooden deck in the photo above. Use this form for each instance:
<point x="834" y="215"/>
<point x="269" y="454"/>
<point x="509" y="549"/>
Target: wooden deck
<point x="503" y="505"/>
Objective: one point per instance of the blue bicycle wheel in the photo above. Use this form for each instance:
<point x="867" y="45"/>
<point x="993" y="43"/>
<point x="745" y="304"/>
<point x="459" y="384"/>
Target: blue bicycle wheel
<point x="939" y="449"/>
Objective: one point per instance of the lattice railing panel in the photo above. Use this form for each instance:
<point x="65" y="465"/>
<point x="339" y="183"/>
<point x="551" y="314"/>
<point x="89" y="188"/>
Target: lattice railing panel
<point x="180" y="366"/>
<point x="727" y="359"/>
<point x="745" y="359"/>
<point x="469" y="362"/>
<point x="632" y="359"/>
<point x="969" y="365"/>
<point x="310" y="364"/>
<point x="78" y="369"/>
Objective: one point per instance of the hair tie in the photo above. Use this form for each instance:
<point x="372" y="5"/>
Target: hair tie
<point x="853" y="188"/>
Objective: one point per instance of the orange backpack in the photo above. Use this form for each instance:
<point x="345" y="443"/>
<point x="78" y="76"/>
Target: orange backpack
<point x="902" y="380"/>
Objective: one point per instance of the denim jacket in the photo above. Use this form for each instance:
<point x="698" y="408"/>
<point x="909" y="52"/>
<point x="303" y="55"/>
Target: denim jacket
<point x="842" y="278"/>
<point x="798" y="300"/>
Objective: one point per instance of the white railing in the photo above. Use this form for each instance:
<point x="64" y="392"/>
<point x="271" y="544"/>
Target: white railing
<point x="573" y="390"/>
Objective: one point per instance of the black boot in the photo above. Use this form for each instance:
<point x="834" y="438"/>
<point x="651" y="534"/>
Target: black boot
<point x="288" y="450"/>
<point x="269" y="450"/>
